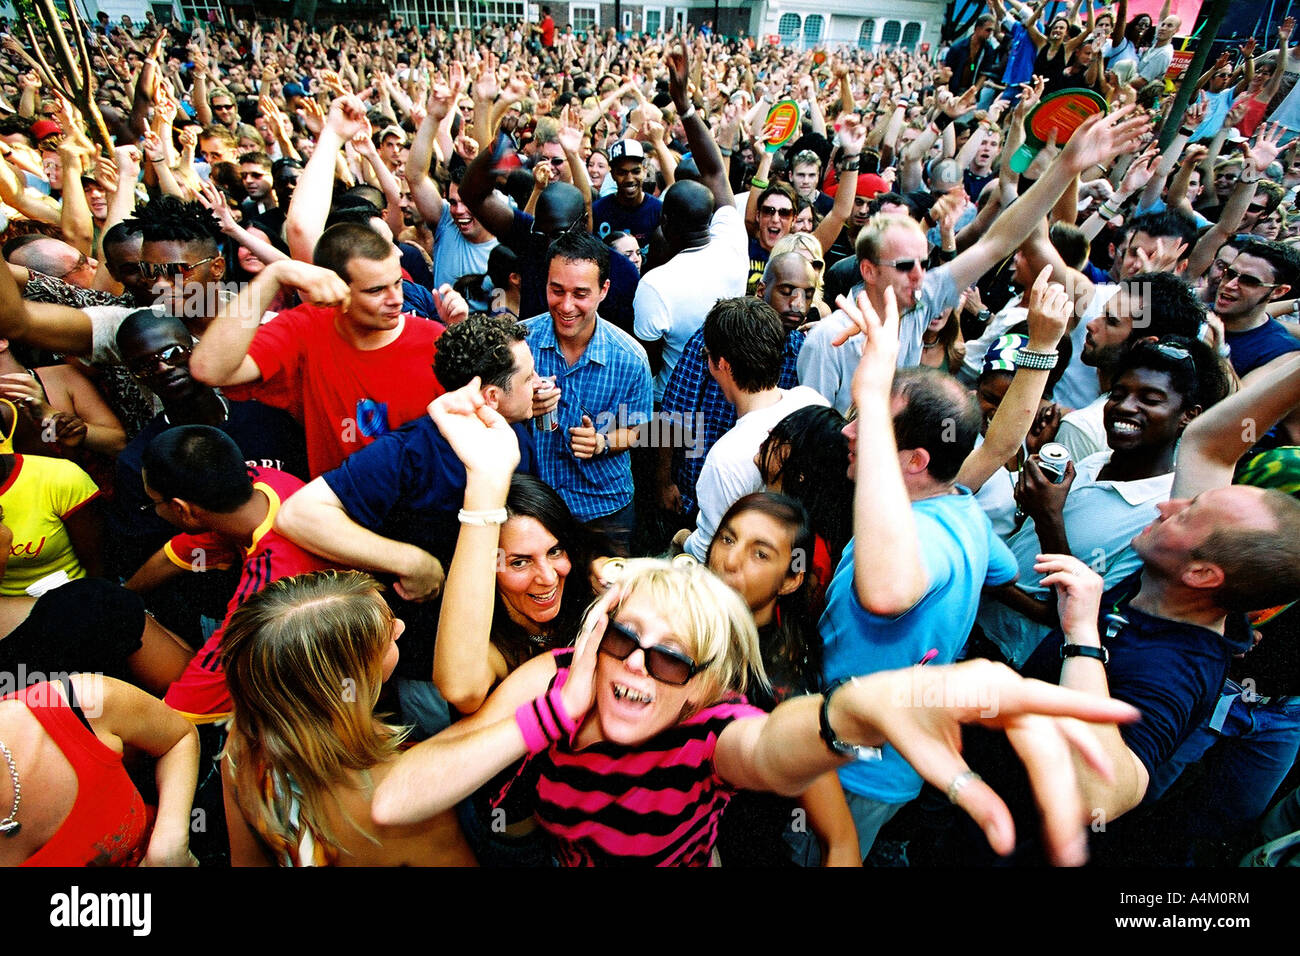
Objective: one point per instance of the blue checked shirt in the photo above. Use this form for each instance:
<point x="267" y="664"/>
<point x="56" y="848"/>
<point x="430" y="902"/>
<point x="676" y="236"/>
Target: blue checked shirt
<point x="611" y="385"/>
<point x="695" y="399"/>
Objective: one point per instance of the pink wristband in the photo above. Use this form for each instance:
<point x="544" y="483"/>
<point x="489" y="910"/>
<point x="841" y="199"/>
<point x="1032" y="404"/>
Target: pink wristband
<point x="543" y="721"/>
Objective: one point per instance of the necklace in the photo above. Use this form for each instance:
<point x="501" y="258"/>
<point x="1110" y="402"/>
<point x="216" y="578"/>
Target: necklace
<point x="10" y="826"/>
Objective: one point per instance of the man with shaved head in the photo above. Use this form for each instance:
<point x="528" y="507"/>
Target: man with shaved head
<point x="56" y="258"/>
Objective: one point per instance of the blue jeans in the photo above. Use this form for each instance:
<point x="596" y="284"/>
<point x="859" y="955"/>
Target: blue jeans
<point x="1255" y="742"/>
<point x="868" y="817"/>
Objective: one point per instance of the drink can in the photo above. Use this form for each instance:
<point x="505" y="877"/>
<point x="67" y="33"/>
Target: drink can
<point x="549" y="421"/>
<point x="1053" y="459"/>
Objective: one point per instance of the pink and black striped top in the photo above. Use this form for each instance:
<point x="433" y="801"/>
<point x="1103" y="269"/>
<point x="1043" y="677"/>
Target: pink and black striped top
<point x="655" y="804"/>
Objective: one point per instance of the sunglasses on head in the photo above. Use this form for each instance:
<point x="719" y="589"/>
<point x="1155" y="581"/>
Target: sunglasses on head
<point x="662" y="663"/>
<point x="170" y="270"/>
<point x="770" y="211"/>
<point x="1245" y="281"/>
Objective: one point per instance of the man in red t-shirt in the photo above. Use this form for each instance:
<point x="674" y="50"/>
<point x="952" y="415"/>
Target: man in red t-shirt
<point x="349" y="360"/>
<point x="198" y="481"/>
<point x="547" y="29"/>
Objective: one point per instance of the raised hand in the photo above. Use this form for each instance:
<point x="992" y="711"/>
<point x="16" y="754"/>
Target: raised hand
<point x="1050" y="309"/>
<point x="874" y="375"/>
<point x="1140" y="173"/>
<point x="1078" y="591"/>
<point x="1168" y="252"/>
<point x="318" y="286"/>
<point x="1100" y="138"/>
<point x="1267" y="145"/>
<point x="481" y="438"/>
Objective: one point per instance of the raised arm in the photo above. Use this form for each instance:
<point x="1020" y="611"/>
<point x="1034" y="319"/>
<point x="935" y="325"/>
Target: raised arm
<point x="221" y="356"/>
<point x="310" y="206"/>
<point x="1220" y="435"/>
<point x="1049" y="314"/>
<point x="852" y="135"/>
<point x="888" y="576"/>
<point x="465" y="664"/>
<point x="708" y="158"/>
<point x="1097" y="141"/>
<point x="424" y="191"/>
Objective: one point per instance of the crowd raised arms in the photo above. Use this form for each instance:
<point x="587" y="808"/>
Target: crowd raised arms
<point x="516" y="446"/>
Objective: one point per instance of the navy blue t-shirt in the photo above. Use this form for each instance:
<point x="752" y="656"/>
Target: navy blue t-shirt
<point x="1253" y="349"/>
<point x="611" y="216"/>
<point x="1169" y="670"/>
<point x="531" y="250"/>
<point x="409" y="485"/>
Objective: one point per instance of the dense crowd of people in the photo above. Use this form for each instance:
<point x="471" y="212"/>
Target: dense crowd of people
<point x="512" y="447"/>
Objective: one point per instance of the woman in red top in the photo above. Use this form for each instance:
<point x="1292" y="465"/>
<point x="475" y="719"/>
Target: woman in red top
<point x="66" y="800"/>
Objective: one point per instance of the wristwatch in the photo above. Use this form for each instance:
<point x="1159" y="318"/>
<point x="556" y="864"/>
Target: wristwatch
<point x="1082" y="650"/>
<point x="842" y="747"/>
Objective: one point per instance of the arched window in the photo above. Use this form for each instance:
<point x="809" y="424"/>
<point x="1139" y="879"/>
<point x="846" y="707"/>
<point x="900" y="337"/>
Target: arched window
<point x="867" y="34"/>
<point x="788" y="27"/>
<point x="889" y="36"/>
<point x="911" y="34"/>
<point x="812" y="29"/>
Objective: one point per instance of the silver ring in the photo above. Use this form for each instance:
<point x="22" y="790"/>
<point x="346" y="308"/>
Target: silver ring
<point x="960" y="781"/>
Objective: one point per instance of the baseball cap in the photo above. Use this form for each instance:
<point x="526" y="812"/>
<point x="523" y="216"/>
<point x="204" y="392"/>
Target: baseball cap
<point x="44" y="128"/>
<point x="625" y="149"/>
<point x="293" y="89"/>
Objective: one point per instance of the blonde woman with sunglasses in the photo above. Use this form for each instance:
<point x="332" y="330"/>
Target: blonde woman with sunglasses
<point x="638" y="736"/>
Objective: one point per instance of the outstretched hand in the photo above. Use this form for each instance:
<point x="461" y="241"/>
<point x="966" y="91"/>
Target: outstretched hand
<point x="1042" y="722"/>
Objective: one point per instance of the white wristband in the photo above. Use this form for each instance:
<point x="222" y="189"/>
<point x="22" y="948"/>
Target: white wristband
<point x="690" y="111"/>
<point x="482" y="519"/>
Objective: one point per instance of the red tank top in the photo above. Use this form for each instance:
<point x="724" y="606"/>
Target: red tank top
<point x="109" y="824"/>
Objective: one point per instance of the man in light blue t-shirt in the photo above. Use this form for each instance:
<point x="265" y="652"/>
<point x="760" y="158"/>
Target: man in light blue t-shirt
<point x="907" y="588"/>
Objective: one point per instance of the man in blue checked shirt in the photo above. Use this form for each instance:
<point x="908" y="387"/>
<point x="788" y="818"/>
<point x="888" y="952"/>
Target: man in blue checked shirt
<point x="603" y="395"/>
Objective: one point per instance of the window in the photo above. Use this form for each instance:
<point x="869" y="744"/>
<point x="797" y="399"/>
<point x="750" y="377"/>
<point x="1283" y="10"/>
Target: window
<point x="812" y="29"/>
<point x="627" y="20"/>
<point x="889" y="36"/>
<point x="679" y="20"/>
<point x="200" y="11"/>
<point x="788" y="27"/>
<point x="456" y="13"/>
<point x="867" y="35"/>
<point x="911" y="33"/>
<point x="583" y="18"/>
<point x="654" y="20"/>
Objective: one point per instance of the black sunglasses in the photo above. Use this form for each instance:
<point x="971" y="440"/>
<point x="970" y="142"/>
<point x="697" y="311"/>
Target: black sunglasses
<point x="902" y="265"/>
<point x="662" y="663"/>
<point x="172" y="357"/>
<point x="170" y="270"/>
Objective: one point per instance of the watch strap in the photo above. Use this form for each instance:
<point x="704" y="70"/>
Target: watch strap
<point x="837" y="746"/>
<point x="1083" y="650"/>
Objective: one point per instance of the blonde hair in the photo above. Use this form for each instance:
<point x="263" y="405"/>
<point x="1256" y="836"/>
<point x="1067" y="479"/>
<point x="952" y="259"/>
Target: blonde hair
<point x="304" y="663"/>
<point x="710" y="618"/>
<point x="872" y="236"/>
<point x="802" y="242"/>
